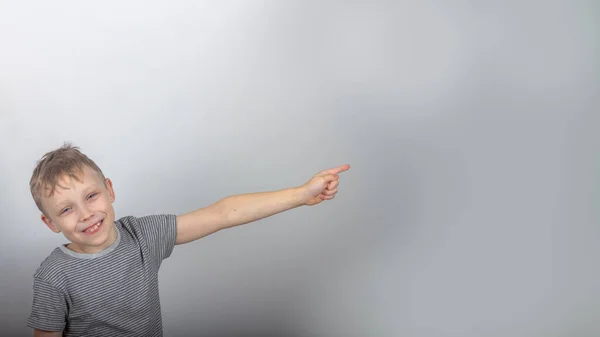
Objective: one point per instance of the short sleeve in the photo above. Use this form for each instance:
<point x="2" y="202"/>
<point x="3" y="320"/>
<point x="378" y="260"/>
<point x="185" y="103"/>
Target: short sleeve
<point x="160" y="233"/>
<point x="49" y="310"/>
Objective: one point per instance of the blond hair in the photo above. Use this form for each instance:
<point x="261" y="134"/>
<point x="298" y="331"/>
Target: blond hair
<point x="66" y="160"/>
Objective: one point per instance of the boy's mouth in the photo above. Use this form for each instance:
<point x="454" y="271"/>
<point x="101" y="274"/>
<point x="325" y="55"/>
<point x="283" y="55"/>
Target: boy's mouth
<point x="93" y="228"/>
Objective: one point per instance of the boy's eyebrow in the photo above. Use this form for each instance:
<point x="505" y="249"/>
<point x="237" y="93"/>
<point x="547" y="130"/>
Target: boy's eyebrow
<point x="92" y="186"/>
<point x="60" y="204"/>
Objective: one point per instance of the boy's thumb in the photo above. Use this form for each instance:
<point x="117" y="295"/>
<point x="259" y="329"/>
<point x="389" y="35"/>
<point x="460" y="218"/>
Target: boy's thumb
<point x="331" y="177"/>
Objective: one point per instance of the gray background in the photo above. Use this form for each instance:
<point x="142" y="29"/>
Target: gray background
<point x="471" y="208"/>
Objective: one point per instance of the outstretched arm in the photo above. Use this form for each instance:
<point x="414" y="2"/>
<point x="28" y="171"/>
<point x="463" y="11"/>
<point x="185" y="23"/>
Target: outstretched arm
<point x="245" y="208"/>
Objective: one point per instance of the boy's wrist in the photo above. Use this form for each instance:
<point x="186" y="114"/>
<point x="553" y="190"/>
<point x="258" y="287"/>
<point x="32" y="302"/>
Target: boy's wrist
<point x="300" y="195"/>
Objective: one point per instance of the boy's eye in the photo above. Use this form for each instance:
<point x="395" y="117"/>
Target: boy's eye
<point x="64" y="210"/>
<point x="92" y="195"/>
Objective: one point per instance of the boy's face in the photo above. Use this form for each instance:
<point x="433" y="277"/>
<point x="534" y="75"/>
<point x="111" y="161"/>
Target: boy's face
<point x="83" y="212"/>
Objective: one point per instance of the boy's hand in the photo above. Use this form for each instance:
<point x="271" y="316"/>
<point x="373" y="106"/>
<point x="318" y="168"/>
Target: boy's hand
<point x="323" y="186"/>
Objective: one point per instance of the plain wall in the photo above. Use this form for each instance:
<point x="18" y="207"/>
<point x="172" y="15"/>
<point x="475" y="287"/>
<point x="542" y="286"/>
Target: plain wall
<point x="471" y="208"/>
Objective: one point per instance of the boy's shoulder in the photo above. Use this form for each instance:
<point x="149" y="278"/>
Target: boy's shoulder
<point x="132" y="220"/>
<point x="148" y="227"/>
<point x="53" y="267"/>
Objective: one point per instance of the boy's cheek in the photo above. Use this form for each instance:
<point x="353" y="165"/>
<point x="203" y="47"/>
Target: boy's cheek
<point x="67" y="224"/>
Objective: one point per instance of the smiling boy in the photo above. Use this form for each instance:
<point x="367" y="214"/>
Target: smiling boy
<point x="104" y="282"/>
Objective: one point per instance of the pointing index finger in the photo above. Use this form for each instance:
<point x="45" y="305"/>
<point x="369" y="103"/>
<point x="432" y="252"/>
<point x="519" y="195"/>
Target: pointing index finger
<point x="337" y="170"/>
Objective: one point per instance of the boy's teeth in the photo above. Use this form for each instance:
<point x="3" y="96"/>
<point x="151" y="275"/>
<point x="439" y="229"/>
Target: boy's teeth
<point x="93" y="228"/>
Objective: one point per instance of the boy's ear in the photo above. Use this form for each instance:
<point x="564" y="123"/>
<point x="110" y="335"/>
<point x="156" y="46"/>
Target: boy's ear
<point x="50" y="224"/>
<point x="111" y="191"/>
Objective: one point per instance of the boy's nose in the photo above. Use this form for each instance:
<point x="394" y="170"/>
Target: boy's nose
<point x="86" y="214"/>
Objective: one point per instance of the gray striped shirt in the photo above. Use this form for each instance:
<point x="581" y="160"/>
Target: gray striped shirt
<point x="111" y="293"/>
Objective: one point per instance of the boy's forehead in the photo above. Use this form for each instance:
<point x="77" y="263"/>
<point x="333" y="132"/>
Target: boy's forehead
<point x="80" y="176"/>
<point x="86" y="178"/>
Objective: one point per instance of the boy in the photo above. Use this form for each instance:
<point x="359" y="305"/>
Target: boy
<point x="105" y="281"/>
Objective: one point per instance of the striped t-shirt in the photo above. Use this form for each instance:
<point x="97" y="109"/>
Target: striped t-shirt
<point x="111" y="293"/>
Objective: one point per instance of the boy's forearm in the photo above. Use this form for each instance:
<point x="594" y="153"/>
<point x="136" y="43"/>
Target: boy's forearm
<point x="244" y="208"/>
